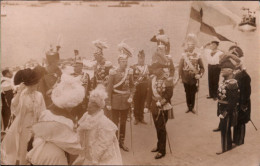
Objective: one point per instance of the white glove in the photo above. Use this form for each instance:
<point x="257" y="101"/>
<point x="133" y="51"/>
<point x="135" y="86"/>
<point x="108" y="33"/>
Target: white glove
<point x="109" y="107"/>
<point x="145" y="110"/>
<point x="130" y="100"/>
<point x="158" y="104"/>
<point x="221" y="116"/>
<point x="197" y="76"/>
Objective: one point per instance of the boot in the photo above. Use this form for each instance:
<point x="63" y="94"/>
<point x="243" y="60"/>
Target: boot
<point x="122" y="146"/>
<point x="121" y="143"/>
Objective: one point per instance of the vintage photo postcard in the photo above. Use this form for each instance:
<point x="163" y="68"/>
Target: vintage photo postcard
<point x="130" y="82"/>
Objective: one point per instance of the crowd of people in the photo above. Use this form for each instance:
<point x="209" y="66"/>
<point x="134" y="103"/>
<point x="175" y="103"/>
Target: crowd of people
<point x="54" y="118"/>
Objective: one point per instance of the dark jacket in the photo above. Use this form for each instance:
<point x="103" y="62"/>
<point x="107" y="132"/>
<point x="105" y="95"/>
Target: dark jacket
<point x="244" y="108"/>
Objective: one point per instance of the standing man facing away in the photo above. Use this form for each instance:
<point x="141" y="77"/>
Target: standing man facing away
<point x="120" y="92"/>
<point x="191" y="70"/>
<point x="141" y="76"/>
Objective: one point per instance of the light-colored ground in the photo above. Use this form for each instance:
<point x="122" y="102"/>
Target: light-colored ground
<point x="27" y="30"/>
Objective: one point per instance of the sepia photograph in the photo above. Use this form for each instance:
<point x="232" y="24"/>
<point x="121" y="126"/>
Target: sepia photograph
<point x="87" y="82"/>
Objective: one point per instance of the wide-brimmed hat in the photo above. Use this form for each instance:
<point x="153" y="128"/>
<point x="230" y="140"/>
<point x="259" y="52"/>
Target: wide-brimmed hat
<point x="28" y="76"/>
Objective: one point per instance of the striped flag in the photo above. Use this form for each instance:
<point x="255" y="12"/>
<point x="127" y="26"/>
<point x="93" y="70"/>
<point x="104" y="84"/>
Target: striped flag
<point x="205" y="16"/>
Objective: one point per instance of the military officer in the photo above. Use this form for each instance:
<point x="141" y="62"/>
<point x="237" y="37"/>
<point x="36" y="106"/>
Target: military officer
<point x="51" y="76"/>
<point x="120" y="92"/>
<point x="244" y="107"/>
<point x="228" y="94"/>
<point x="161" y="60"/>
<point x="85" y="79"/>
<point x="141" y="76"/>
<point x="162" y="39"/>
<point x="160" y="91"/>
<point x="191" y="70"/>
<point x="102" y="67"/>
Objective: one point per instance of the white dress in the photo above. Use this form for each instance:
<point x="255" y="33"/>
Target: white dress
<point x="98" y="138"/>
<point x="54" y="136"/>
<point x="27" y="112"/>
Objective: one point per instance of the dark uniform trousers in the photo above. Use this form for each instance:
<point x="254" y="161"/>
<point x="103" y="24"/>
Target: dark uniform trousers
<point x="120" y="116"/>
<point x="213" y="79"/>
<point x="160" y="120"/>
<point x="190" y="90"/>
<point x="226" y="140"/>
<point x="239" y="134"/>
<point x="139" y="100"/>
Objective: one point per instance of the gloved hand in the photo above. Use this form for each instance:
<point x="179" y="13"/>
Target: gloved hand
<point x="146" y="110"/>
<point x="158" y="104"/>
<point x="109" y="107"/>
<point x="221" y="116"/>
<point x="130" y="100"/>
<point x="197" y="76"/>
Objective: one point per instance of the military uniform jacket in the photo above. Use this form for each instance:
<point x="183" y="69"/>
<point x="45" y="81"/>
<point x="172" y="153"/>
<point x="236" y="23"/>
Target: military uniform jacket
<point x="228" y="94"/>
<point x="101" y="74"/>
<point x="159" y="89"/>
<point x="140" y="73"/>
<point x="120" y="87"/>
<point x="51" y="76"/>
<point x="190" y="65"/>
<point x="244" y="109"/>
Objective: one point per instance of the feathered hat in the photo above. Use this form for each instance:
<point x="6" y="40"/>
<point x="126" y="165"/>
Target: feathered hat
<point x="98" y="95"/>
<point x="124" y="51"/>
<point x="100" y="45"/>
<point x="68" y="93"/>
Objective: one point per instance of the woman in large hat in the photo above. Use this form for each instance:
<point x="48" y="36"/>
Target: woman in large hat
<point x="97" y="134"/>
<point x="26" y="106"/>
<point x="55" y="136"/>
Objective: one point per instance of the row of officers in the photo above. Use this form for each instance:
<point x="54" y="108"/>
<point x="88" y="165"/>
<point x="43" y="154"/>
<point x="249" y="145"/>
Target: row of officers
<point x="144" y="88"/>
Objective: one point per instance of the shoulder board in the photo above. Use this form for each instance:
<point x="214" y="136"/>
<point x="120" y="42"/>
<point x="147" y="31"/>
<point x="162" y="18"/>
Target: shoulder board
<point x="108" y="64"/>
<point x="232" y="84"/>
<point x="130" y="71"/>
<point x="112" y="71"/>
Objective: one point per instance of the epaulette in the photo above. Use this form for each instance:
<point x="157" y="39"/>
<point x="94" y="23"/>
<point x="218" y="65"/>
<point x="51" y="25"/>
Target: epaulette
<point x="232" y="84"/>
<point x="130" y="71"/>
<point x="112" y="71"/>
<point x="108" y="64"/>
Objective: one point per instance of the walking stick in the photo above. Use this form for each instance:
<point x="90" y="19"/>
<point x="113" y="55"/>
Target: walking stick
<point x="253" y="124"/>
<point x="197" y="97"/>
<point x="164" y="123"/>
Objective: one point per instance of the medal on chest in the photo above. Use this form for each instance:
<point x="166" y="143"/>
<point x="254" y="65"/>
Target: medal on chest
<point x="160" y="86"/>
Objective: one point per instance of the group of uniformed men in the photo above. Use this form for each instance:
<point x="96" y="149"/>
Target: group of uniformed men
<point x="144" y="88"/>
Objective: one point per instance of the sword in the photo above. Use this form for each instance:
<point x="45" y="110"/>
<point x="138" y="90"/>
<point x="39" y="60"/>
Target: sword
<point x="130" y="112"/>
<point x="167" y="136"/>
<point x="197" y="97"/>
<point x="253" y="124"/>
